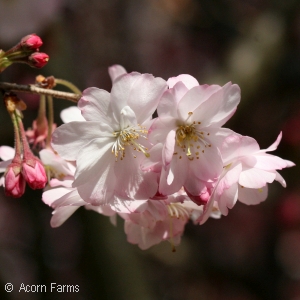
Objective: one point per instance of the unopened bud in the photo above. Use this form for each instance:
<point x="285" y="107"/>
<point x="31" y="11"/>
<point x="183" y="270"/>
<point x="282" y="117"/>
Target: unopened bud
<point x="34" y="173"/>
<point x="31" y="42"/>
<point x="38" y="59"/>
<point x="14" y="181"/>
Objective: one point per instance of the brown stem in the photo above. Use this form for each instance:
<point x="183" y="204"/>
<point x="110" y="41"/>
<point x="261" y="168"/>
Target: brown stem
<point x="37" y="90"/>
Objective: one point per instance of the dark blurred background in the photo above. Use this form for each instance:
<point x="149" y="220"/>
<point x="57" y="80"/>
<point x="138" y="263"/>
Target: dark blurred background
<point x="254" y="252"/>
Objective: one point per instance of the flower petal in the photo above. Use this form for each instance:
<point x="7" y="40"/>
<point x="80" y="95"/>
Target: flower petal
<point x="4" y="165"/>
<point x="252" y="196"/>
<point x="209" y="166"/>
<point x="115" y="71"/>
<point x="68" y="139"/>
<point x="7" y="152"/>
<point x="71" y="114"/>
<point x="269" y="162"/>
<point x="280" y="179"/>
<point x="94" y="105"/>
<point x="274" y="145"/>
<point x="139" y="91"/>
<point x="173" y="178"/>
<point x="131" y="181"/>
<point x="256" y="178"/>
<point x="188" y="80"/>
<point x="219" y="107"/>
<point x="168" y="103"/>
<point x="95" y="178"/>
<point x="129" y="206"/>
<point x="236" y="146"/>
<point x="50" y="196"/>
<point x="228" y="199"/>
<point x="168" y="148"/>
<point x="193" y="99"/>
<point x="61" y="214"/>
<point x="127" y="117"/>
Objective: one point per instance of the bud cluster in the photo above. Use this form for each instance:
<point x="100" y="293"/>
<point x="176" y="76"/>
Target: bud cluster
<point x="23" y="166"/>
<point x="26" y="51"/>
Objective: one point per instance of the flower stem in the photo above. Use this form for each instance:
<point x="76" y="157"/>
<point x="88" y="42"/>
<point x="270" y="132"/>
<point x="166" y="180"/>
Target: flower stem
<point x="37" y="90"/>
<point x="26" y="149"/>
<point x="50" y="120"/>
<point x="18" y="143"/>
<point x="69" y="85"/>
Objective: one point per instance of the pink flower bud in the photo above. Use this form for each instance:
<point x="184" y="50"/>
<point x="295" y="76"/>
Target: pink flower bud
<point x="38" y="59"/>
<point x="14" y="181"/>
<point x="34" y="173"/>
<point x="31" y="42"/>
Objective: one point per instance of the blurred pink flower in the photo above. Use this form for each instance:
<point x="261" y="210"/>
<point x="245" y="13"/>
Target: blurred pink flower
<point x="161" y="220"/>
<point x="39" y="132"/>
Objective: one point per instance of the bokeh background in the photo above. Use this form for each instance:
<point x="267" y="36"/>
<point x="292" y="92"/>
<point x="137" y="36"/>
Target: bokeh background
<point x="254" y="252"/>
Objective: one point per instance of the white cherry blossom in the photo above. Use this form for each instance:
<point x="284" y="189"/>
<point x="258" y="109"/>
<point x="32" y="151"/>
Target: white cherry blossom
<point x="109" y="146"/>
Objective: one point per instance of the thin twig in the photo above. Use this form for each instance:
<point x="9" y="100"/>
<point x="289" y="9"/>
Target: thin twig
<point x="36" y="90"/>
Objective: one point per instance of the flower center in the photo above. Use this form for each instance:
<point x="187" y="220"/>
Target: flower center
<point x="128" y="137"/>
<point x="191" y="140"/>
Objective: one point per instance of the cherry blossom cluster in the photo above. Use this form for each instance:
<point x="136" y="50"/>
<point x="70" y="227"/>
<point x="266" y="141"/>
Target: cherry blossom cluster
<point x="157" y="173"/>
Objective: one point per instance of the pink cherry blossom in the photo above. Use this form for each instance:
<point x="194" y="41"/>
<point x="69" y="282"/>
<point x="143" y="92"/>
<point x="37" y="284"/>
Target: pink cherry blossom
<point x="247" y="171"/>
<point x="38" y="134"/>
<point x="115" y="126"/>
<point x="161" y="220"/>
<point x="155" y="224"/>
<point x="189" y="123"/>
